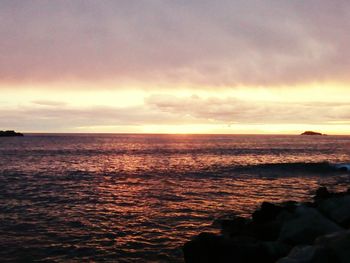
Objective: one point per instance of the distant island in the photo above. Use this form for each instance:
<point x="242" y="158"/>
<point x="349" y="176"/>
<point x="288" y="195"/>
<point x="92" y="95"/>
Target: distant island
<point x="312" y="133"/>
<point x="10" y="134"/>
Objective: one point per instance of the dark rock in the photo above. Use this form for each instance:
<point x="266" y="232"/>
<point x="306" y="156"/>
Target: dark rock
<point x="333" y="248"/>
<point x="338" y="244"/>
<point x="207" y="248"/>
<point x="289" y="205"/>
<point x="277" y="249"/>
<point x="337" y="209"/>
<point x="266" y="213"/>
<point x="234" y="227"/>
<point x="268" y="231"/>
<point x="305" y="225"/>
<point x="309" y="254"/>
<point x="268" y="220"/>
<point x="322" y="193"/>
<point x="275" y="229"/>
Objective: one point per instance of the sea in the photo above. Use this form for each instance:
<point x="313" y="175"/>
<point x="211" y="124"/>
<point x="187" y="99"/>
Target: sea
<point x="139" y="198"/>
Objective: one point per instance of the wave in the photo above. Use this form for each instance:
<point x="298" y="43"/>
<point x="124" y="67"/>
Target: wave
<point x="318" y="167"/>
<point x="343" y="167"/>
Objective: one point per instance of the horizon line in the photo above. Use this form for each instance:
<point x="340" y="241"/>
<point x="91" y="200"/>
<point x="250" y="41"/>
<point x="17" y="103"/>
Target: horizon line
<point x="163" y="133"/>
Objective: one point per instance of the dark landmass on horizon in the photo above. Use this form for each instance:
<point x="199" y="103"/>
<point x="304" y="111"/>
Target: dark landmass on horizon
<point x="312" y="133"/>
<point x="10" y="134"/>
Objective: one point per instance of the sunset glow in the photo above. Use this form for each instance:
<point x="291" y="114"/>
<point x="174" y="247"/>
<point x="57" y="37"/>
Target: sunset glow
<point x="183" y="69"/>
<point x="193" y="131"/>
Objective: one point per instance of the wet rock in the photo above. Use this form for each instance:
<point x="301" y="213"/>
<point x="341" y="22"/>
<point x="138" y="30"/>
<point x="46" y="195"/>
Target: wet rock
<point x="268" y="220"/>
<point x="283" y="233"/>
<point x="277" y="249"/>
<point x="207" y="248"/>
<point x="333" y="248"/>
<point x="266" y="213"/>
<point x="337" y="244"/>
<point x="235" y="227"/>
<point x="290" y="206"/>
<point x="305" y="226"/>
<point x="322" y="193"/>
<point x="264" y="225"/>
<point x="268" y="231"/>
<point x="337" y="209"/>
<point x="309" y="254"/>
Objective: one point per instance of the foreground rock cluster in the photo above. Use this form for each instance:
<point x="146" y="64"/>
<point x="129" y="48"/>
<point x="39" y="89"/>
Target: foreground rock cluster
<point x="290" y="232"/>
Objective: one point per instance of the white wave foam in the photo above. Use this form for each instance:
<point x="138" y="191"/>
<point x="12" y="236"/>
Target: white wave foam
<point x="343" y="167"/>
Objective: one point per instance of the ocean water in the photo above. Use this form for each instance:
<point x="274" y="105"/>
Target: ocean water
<point x="138" y="198"/>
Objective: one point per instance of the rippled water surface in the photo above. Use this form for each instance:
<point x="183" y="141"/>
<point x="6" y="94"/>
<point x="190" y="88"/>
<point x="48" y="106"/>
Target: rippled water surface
<point x="138" y="198"/>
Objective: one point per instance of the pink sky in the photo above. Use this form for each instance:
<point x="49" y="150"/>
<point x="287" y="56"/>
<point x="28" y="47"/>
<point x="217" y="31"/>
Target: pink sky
<point x="175" y="66"/>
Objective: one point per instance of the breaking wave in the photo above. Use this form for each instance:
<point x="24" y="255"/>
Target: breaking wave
<point x="308" y="167"/>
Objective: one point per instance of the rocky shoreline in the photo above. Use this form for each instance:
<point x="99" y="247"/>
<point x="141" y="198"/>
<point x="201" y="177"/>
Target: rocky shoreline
<point x="289" y="232"/>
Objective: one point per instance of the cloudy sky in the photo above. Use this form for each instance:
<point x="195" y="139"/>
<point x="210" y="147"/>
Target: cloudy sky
<point x="183" y="66"/>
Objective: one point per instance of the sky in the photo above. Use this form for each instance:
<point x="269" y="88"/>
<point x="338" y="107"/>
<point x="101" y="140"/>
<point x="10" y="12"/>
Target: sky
<point x="184" y="66"/>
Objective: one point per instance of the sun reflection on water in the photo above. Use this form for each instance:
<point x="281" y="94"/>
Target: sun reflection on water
<point x="141" y="197"/>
